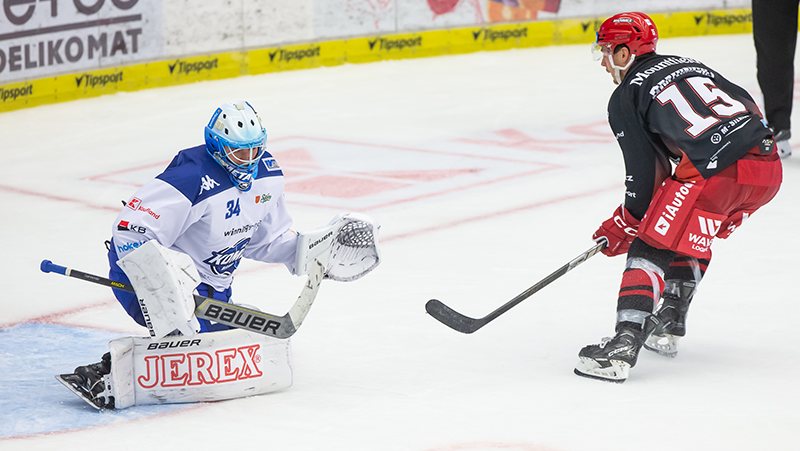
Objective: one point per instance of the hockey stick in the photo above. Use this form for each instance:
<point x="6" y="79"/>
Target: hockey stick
<point x="467" y="325"/>
<point x="229" y="314"/>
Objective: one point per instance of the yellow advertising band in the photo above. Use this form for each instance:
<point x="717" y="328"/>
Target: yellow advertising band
<point x="62" y="88"/>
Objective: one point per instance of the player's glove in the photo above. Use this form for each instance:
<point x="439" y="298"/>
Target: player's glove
<point x="619" y="231"/>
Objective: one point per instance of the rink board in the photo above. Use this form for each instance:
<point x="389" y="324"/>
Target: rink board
<point x="62" y="88"/>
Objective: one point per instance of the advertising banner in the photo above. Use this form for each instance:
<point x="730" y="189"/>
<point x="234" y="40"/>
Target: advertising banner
<point x="47" y="37"/>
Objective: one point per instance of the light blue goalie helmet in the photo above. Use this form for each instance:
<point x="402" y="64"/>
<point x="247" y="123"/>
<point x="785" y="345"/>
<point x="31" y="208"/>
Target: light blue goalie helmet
<point x="235" y="138"/>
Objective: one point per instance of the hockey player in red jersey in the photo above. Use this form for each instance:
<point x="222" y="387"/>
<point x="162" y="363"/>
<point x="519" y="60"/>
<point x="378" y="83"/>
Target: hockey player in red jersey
<point x="672" y="109"/>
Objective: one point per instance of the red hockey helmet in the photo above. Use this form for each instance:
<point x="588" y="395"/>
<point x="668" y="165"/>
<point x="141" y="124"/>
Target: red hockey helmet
<point x="635" y="30"/>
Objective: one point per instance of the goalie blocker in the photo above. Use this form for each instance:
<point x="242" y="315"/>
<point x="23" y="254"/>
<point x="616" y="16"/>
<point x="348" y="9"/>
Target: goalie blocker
<point x="206" y="367"/>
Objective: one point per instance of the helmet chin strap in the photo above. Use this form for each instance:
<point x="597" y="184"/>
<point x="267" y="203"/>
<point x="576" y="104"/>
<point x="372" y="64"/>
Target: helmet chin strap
<point x="617" y="69"/>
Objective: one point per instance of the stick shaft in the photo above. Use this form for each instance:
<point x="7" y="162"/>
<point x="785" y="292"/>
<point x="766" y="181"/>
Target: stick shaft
<point x="467" y="325"/>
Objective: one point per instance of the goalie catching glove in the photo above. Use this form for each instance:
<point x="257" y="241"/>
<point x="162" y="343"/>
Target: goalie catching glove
<point x="347" y="247"/>
<point x="618" y="231"/>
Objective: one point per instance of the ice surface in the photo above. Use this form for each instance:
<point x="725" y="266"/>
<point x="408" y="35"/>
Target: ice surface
<point x="487" y="172"/>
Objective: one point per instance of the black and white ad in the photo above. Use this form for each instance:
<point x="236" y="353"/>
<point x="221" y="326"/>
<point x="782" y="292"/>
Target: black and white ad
<point x="49" y="37"/>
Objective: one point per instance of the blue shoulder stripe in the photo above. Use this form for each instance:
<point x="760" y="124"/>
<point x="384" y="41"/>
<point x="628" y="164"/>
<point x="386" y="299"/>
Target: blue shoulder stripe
<point x="196" y="175"/>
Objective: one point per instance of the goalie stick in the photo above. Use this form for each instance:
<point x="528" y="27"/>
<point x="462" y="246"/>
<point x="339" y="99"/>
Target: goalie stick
<point x="467" y="325"/>
<point x="229" y="314"/>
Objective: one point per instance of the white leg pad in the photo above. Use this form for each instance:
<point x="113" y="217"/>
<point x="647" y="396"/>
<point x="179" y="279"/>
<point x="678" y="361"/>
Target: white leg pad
<point x="205" y="367"/>
<point x="164" y="281"/>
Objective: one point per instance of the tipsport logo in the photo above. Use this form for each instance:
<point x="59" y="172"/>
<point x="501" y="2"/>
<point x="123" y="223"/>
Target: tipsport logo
<point x="12" y="94"/>
<point x="294" y="55"/>
<point x="186" y="68"/>
<point x="224" y="262"/>
<point x="95" y="81"/>
<point x="717" y="20"/>
<point x="395" y="44"/>
<point x="505" y="35"/>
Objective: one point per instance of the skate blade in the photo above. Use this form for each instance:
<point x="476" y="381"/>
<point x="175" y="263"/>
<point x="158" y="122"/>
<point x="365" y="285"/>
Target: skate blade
<point x="666" y="345"/>
<point x="64" y="379"/>
<point x="617" y="372"/>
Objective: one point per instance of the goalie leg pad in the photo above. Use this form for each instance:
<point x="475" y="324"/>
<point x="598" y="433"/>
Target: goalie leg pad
<point x="164" y="281"/>
<point x="207" y="367"/>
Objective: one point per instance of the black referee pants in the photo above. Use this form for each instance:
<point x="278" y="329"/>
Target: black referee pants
<point x="775" y="37"/>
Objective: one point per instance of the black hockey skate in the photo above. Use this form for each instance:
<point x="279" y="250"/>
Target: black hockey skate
<point x="611" y="359"/>
<point x="668" y="324"/>
<point x="92" y="383"/>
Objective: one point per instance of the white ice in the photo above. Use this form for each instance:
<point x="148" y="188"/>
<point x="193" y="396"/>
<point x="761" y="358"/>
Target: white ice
<point x="372" y="370"/>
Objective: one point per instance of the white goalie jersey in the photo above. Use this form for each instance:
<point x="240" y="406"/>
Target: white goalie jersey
<point x="193" y="208"/>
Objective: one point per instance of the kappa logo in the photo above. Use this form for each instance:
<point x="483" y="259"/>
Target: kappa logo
<point x="207" y="184"/>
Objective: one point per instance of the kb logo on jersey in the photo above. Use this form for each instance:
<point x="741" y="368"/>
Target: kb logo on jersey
<point x="227" y="260"/>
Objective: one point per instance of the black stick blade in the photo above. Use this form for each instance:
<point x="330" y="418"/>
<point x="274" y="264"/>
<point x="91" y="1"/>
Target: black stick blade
<point x="452" y="318"/>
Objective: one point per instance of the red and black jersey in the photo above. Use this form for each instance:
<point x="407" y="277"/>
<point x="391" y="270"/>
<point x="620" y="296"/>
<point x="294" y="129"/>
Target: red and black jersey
<point x="671" y="107"/>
